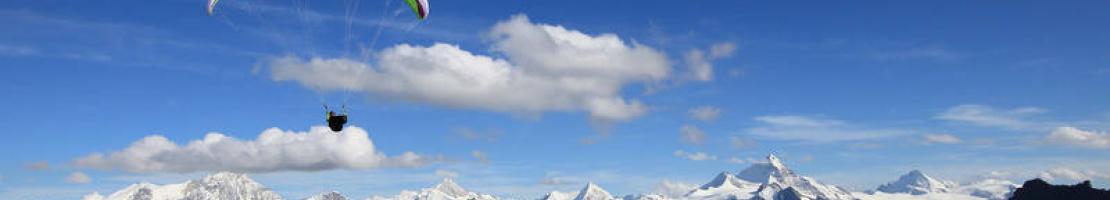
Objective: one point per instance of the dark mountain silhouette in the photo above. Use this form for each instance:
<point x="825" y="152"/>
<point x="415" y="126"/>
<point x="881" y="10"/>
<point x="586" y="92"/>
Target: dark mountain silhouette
<point x="1039" y="189"/>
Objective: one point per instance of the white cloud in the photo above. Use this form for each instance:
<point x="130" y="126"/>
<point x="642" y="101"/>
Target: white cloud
<point x="38" y="166"/>
<point x="722" y="50"/>
<point x="554" y="181"/>
<point x="941" y="138"/>
<point x="695" y="156"/>
<point x="672" y="189"/>
<point x="802" y="128"/>
<point x="1062" y="173"/>
<point x="546" y="68"/>
<point x="738" y="160"/>
<point x="446" y="173"/>
<point x="1081" y="138"/>
<point x="704" y="113"/>
<point x="1017" y="118"/>
<point x="16" y="51"/>
<point x="78" y="178"/>
<point x="740" y="142"/>
<point x="471" y="134"/>
<point x="921" y="53"/>
<point x="692" y="135"/>
<point x="701" y="63"/>
<point x="273" y="150"/>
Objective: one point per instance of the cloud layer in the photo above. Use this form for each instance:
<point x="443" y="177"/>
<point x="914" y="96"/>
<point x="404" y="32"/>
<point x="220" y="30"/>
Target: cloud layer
<point x="1080" y="138"/>
<point x="1017" y="118"/>
<point x="273" y="150"/>
<point x="546" y="68"/>
<point x="695" y="156"/>
<point x="810" y="129"/>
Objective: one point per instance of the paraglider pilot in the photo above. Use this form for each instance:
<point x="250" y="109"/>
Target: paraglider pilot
<point x="335" y="122"/>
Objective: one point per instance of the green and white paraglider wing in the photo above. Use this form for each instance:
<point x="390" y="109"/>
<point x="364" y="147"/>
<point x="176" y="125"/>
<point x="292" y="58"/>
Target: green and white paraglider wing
<point x="420" y="7"/>
<point x="212" y="6"/>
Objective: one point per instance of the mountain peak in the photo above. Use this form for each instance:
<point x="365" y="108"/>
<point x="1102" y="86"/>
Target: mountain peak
<point x="763" y="172"/>
<point x="333" y="195"/>
<point x="449" y="186"/>
<point x="775" y="161"/>
<point x="721" y="180"/>
<point x="916" y="183"/>
<point x="593" y="192"/>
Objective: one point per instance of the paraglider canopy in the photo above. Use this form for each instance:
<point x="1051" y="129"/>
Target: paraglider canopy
<point x="212" y="6"/>
<point x="419" y="7"/>
<point x="335" y="122"/>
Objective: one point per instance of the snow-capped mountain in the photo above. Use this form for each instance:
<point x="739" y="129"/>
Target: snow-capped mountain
<point x="916" y="183"/>
<point x="590" y="192"/>
<point x="557" y="195"/>
<point x="774" y="177"/>
<point x="724" y="186"/>
<point x="333" y="195"/>
<point x="593" y="192"/>
<point x="219" y="186"/>
<point x="446" y="190"/>
<point x="770" y="180"/>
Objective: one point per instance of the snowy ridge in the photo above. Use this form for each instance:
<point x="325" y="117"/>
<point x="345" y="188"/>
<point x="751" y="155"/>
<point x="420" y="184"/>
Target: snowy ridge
<point x="219" y="186"/>
<point x="771" y="180"/>
<point x="775" y="177"/>
<point x="333" y="195"/>
<point x="593" y="192"/>
<point x="590" y="192"/>
<point x="993" y="189"/>
<point x="724" y="186"/>
<point x="918" y="185"/>
<point x="446" y="190"/>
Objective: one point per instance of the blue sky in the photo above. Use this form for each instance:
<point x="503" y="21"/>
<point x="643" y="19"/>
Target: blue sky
<point x="853" y="94"/>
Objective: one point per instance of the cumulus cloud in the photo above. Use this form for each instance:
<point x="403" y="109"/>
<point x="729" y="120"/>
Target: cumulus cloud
<point x="672" y="189"/>
<point x="38" y="166"/>
<point x="941" y="138"/>
<point x="1062" y="173"/>
<point x="695" y="156"/>
<point x="1080" y="138"/>
<point x="704" y="113"/>
<point x="811" y="129"/>
<point x="545" y="68"/>
<point x="700" y="63"/>
<point x="273" y="150"/>
<point x="1017" y="118"/>
<point x="691" y="134"/>
<point x="78" y="178"/>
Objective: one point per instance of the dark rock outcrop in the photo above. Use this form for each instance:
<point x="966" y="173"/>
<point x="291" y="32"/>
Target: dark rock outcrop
<point x="1039" y="189"/>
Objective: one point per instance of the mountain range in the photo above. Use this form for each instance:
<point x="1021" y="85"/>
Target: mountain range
<point x="769" y="180"/>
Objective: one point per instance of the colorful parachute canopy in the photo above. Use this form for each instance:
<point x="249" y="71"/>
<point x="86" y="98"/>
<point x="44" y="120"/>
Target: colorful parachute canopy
<point x="420" y="7"/>
<point x="212" y="6"/>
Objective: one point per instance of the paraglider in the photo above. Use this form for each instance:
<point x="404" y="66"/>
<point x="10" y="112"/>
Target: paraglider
<point x="212" y="6"/>
<point x="419" y="7"/>
<point x="335" y="122"/>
